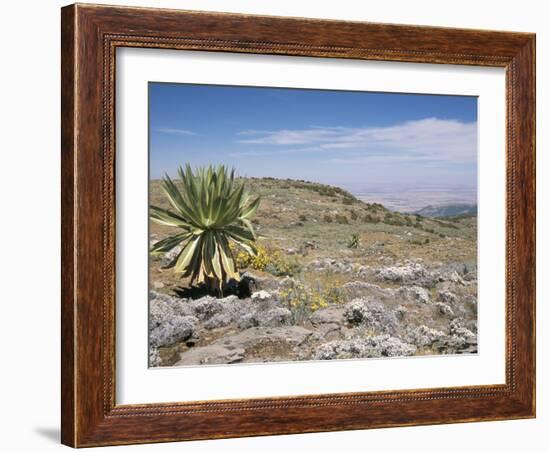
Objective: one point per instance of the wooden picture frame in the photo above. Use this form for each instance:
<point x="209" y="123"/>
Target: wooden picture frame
<point x="90" y="36"/>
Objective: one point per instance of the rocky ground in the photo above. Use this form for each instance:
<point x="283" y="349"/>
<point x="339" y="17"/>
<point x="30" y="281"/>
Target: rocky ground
<point x="402" y="310"/>
<point x="407" y="287"/>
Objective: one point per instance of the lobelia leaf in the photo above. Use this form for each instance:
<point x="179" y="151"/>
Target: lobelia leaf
<point x="169" y="243"/>
<point x="212" y="208"/>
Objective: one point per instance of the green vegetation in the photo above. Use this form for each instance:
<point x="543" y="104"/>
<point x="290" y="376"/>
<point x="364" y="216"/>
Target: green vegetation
<point x="270" y="260"/>
<point x="368" y="218"/>
<point x="287" y="245"/>
<point x="210" y="210"/>
<point x="341" y="219"/>
<point x="303" y="297"/>
<point x="353" y="242"/>
<point x="324" y="190"/>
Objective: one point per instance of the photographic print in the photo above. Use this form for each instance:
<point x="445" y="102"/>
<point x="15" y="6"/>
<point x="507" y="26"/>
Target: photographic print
<point x="300" y="224"/>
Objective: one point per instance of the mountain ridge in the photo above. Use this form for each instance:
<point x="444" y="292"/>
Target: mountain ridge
<point x="448" y="210"/>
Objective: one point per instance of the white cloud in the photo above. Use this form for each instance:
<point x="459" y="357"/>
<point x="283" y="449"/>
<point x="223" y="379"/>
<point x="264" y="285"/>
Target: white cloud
<point x="430" y="138"/>
<point x="175" y="131"/>
<point x="285" y="136"/>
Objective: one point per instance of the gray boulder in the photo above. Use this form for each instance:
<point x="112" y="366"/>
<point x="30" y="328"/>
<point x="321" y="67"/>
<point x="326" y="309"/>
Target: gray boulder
<point x="178" y="329"/>
<point x="415" y="293"/>
<point x="444" y="309"/>
<point x="448" y="297"/>
<point x="411" y="273"/>
<point x="169" y="321"/>
<point x="424" y="336"/>
<point x="332" y="314"/>
<point x="372" y="347"/>
<point x="459" y="340"/>
<point x="371" y="314"/>
<point x="327" y="322"/>
<point x="276" y="316"/>
<point x="211" y="354"/>
<point x="237" y="347"/>
<point x="461" y="335"/>
<point x="359" y="289"/>
<point x="262" y="295"/>
<point x="257" y="282"/>
<point x="207" y="307"/>
<point x="262" y="309"/>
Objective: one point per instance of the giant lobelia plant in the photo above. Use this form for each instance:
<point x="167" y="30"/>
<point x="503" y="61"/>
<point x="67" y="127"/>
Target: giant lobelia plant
<point x="211" y="210"/>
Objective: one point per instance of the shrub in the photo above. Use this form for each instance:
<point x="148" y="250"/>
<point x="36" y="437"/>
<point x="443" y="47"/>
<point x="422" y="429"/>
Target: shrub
<point x="327" y="218"/>
<point x="302" y="217"/>
<point x="353" y="242"/>
<point x="270" y="260"/>
<point x="302" y="300"/>
<point x="324" y="190"/>
<point x="445" y="224"/>
<point x="368" y="218"/>
<point x="326" y="296"/>
<point x="298" y="300"/>
<point x="211" y="211"/>
<point x="420" y="241"/>
<point x="393" y="219"/>
<point x="341" y="219"/>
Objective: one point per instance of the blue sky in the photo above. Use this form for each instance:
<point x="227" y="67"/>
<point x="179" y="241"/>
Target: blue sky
<point x="355" y="140"/>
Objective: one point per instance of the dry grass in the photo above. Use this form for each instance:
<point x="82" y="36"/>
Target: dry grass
<point x="291" y="221"/>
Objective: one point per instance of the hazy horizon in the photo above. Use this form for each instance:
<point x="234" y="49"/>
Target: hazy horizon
<point x="402" y="148"/>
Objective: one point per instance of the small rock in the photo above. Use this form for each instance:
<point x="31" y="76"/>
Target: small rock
<point x="262" y="295"/>
<point x="444" y="309"/>
<point x="455" y="277"/>
<point x="207" y="307"/>
<point x="371" y="314"/>
<point x="211" y="354"/>
<point x="177" y="329"/>
<point x="448" y="297"/>
<point x="457" y="329"/>
<point x="424" y="336"/>
<point x="416" y="293"/>
<point x="170" y="255"/>
<point x="169" y="321"/>
<point x="412" y="273"/>
<point x="218" y="321"/>
<point x="273" y="317"/>
<point x="373" y="347"/>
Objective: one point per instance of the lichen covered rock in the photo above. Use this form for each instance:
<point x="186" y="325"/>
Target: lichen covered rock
<point x="372" y="347"/>
<point x="371" y="314"/>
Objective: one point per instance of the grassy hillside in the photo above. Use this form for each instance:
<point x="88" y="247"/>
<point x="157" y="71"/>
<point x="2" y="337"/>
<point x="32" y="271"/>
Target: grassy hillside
<point x="450" y="210"/>
<point x="302" y="221"/>
<point x="333" y="275"/>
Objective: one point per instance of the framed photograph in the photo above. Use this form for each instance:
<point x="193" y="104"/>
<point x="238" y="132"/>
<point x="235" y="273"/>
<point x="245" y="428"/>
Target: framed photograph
<point x="282" y="225"/>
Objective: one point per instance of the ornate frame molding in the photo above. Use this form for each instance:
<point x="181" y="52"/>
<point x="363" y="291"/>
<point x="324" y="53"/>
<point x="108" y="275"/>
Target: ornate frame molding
<point x="90" y="37"/>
